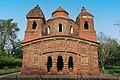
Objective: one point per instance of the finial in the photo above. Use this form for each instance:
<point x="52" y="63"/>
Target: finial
<point x="37" y="5"/>
<point x="83" y="9"/>
<point x="59" y="6"/>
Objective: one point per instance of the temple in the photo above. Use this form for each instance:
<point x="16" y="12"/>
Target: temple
<point x="60" y="45"/>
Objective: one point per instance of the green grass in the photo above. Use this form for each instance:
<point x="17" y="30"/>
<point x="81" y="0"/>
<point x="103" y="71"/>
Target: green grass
<point x="9" y="70"/>
<point x="112" y="72"/>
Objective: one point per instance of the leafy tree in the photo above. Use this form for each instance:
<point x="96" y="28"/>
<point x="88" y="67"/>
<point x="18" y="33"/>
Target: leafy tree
<point x="115" y="60"/>
<point x="9" y="43"/>
<point x="16" y="49"/>
<point x="118" y="24"/>
<point x="107" y="48"/>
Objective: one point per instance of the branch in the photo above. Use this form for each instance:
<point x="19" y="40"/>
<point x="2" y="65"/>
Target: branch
<point x="117" y="24"/>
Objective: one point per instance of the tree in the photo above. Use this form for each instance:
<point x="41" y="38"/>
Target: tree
<point x="9" y="43"/>
<point x="16" y="50"/>
<point x="115" y="60"/>
<point x="107" y="48"/>
<point x="118" y="24"/>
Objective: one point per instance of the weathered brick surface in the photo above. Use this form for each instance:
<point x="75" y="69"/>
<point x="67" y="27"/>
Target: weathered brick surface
<point x="81" y="46"/>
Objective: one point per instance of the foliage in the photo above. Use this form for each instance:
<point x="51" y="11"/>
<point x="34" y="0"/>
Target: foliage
<point x="9" y="61"/>
<point x="117" y="71"/>
<point x="5" y="68"/>
<point x="118" y="24"/>
<point x="111" y="71"/>
<point x="16" y="51"/>
<point x="9" y="70"/>
<point x="9" y="43"/>
<point x="107" y="48"/>
<point x="112" y="67"/>
<point x="115" y="60"/>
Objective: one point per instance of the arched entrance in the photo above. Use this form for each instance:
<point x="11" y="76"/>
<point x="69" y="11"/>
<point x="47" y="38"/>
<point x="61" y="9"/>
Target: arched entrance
<point x="70" y="62"/>
<point x="60" y="63"/>
<point x="86" y="25"/>
<point x="49" y="63"/>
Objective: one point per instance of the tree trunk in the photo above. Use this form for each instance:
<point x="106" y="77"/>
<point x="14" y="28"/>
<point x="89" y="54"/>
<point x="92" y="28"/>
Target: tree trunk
<point x="103" y="69"/>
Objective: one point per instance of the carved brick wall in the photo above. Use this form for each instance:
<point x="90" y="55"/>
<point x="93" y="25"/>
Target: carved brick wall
<point x="84" y="55"/>
<point x="74" y="40"/>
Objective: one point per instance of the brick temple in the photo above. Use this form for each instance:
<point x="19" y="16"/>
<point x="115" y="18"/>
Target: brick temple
<point x="60" y="45"/>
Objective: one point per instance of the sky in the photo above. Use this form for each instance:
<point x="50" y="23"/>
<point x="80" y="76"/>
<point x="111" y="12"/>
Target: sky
<point x="106" y="12"/>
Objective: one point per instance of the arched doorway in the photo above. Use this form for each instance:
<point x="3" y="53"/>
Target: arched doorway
<point x="60" y="27"/>
<point x="71" y="29"/>
<point x="34" y="25"/>
<point x="49" y="63"/>
<point x="70" y="62"/>
<point x="60" y="63"/>
<point x="86" y="25"/>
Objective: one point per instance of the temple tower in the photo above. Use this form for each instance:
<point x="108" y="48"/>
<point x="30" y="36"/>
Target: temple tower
<point x="35" y="23"/>
<point x="86" y="25"/>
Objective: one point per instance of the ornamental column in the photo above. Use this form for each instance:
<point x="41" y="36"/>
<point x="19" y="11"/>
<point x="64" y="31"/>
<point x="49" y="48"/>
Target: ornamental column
<point x="65" y="60"/>
<point x="54" y="65"/>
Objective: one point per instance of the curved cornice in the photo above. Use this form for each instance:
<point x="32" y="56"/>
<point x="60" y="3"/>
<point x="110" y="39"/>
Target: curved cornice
<point x="59" y="37"/>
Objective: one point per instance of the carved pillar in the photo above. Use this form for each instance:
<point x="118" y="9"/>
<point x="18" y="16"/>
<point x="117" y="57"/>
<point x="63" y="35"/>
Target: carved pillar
<point x="54" y="65"/>
<point x="75" y="65"/>
<point x="65" y="68"/>
<point x="91" y="60"/>
<point x="79" y="64"/>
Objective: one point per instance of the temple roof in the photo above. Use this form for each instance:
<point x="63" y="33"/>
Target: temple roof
<point x="60" y="10"/>
<point x="85" y="13"/>
<point x="36" y="12"/>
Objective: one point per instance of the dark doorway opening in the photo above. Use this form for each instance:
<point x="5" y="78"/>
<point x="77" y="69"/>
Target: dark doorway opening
<point x="86" y="25"/>
<point x="60" y="63"/>
<point x="70" y="63"/>
<point x="49" y="63"/>
<point x="60" y="27"/>
<point x="34" y="25"/>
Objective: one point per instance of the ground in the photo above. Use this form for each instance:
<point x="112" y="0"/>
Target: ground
<point x="54" y="77"/>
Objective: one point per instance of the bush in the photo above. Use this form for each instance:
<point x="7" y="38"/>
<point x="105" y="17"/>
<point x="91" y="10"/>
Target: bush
<point x="9" y="70"/>
<point x="9" y="61"/>
<point x="117" y="71"/>
<point x="112" y="67"/>
<point x="111" y="71"/>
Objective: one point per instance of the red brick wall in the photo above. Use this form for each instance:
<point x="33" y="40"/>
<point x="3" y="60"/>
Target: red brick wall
<point x="90" y="33"/>
<point x="81" y="45"/>
<point x="31" y="34"/>
<point x="66" y="24"/>
<point x="60" y="14"/>
<point x="84" y="55"/>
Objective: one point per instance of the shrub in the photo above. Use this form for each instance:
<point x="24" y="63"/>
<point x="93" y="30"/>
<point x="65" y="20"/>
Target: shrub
<point x="112" y="67"/>
<point x="9" y="61"/>
<point x="111" y="71"/>
<point x="117" y="71"/>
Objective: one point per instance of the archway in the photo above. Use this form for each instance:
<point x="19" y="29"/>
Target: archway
<point x="86" y="25"/>
<point x="48" y="29"/>
<point x="34" y="25"/>
<point x="60" y="27"/>
<point x="49" y="63"/>
<point x="70" y="63"/>
<point x="71" y="29"/>
<point x="60" y="63"/>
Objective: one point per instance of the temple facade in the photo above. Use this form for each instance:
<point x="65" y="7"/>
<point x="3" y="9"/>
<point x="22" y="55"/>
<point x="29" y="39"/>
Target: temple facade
<point x="60" y="45"/>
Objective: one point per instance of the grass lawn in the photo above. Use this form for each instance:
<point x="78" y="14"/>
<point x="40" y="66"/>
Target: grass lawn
<point x="112" y="72"/>
<point x="9" y="70"/>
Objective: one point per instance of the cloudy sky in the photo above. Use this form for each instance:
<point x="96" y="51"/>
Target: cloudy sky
<point x="106" y="12"/>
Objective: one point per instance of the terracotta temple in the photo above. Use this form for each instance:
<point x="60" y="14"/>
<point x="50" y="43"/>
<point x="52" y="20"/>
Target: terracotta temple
<point x="60" y="45"/>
